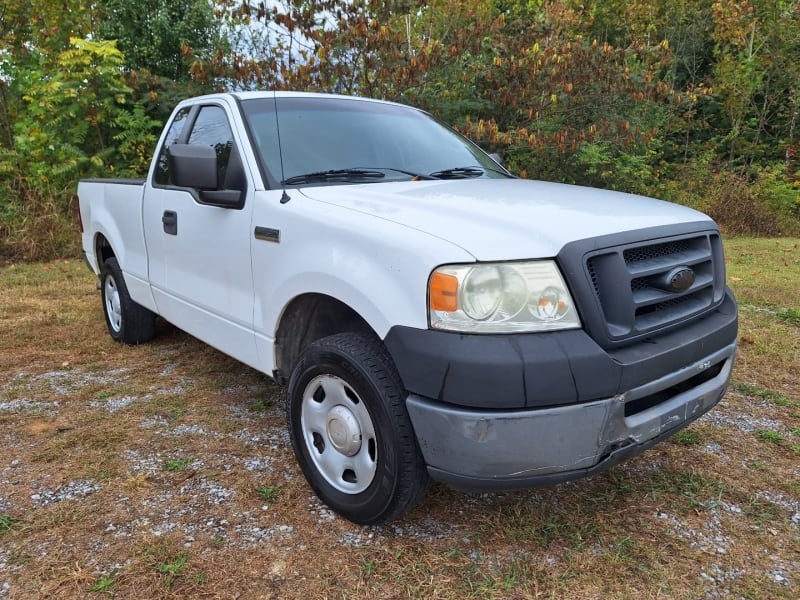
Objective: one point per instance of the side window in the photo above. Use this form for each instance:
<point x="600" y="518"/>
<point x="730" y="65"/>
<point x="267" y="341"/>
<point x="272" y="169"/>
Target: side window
<point x="211" y="128"/>
<point x="175" y="129"/>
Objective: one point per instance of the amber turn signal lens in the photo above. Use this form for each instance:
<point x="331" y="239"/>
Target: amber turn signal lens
<point x="444" y="292"/>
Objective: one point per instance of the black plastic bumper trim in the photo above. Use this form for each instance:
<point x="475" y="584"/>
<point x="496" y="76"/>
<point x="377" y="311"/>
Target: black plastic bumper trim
<point x="538" y="370"/>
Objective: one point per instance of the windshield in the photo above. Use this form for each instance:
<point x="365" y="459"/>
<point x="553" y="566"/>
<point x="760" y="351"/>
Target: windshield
<point x="340" y="140"/>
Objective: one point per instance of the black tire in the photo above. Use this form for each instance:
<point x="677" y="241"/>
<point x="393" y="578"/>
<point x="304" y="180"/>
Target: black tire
<point x="127" y="321"/>
<point x="345" y="387"/>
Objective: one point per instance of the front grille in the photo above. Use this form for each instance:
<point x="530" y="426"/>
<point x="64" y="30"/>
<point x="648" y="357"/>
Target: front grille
<point x="645" y="253"/>
<point x="631" y="283"/>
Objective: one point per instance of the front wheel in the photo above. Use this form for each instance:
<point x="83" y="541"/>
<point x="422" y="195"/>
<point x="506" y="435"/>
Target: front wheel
<point x="351" y="432"/>
<point x="127" y="321"/>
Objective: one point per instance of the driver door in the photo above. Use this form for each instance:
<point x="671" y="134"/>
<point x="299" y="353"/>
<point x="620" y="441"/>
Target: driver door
<point x="200" y="267"/>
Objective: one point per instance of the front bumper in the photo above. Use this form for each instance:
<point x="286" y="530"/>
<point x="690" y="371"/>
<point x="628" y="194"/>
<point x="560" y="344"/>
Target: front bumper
<point x="500" y="412"/>
<point x="480" y="450"/>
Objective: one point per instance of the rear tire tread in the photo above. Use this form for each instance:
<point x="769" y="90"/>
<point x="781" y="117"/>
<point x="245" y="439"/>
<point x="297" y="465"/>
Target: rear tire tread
<point x="138" y="323"/>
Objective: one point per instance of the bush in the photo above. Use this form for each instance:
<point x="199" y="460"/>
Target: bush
<point x="764" y="207"/>
<point x="39" y="226"/>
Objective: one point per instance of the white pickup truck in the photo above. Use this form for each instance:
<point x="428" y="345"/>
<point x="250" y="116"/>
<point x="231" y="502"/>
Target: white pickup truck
<point x="433" y="316"/>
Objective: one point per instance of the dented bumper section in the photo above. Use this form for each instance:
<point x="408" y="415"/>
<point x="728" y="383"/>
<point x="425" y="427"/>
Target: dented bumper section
<point x="495" y="450"/>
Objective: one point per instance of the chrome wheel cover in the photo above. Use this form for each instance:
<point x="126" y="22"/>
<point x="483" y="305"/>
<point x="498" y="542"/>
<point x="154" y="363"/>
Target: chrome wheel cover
<point x="339" y="434"/>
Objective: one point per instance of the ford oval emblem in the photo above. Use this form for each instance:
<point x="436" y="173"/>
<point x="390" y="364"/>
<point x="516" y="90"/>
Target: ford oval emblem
<point x="679" y="279"/>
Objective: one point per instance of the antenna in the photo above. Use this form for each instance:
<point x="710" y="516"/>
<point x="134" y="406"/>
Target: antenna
<point x="284" y="196"/>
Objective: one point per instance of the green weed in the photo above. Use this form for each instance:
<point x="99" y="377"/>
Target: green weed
<point x="260" y="406"/>
<point x="6" y="523"/>
<point x="368" y="567"/>
<point x="770" y="436"/>
<point x="790" y="315"/>
<point x="105" y="584"/>
<point x="268" y="493"/>
<point x="687" y="437"/>
<point x="755" y="391"/>
<point x="172" y="570"/>
<point x="199" y="578"/>
<point x="177" y="464"/>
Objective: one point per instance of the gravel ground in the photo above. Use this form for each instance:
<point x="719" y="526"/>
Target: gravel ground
<point x="208" y="502"/>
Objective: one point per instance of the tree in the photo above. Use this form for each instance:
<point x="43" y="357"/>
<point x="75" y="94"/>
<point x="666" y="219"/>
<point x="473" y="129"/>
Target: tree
<point x="162" y="37"/>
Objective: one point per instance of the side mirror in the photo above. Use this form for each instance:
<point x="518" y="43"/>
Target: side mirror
<point x="193" y="165"/>
<point x="495" y="156"/>
<point x="196" y="166"/>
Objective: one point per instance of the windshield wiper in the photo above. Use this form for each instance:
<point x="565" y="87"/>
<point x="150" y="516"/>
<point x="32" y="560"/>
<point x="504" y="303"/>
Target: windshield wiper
<point x="458" y="173"/>
<point x="411" y="174"/>
<point x="333" y="175"/>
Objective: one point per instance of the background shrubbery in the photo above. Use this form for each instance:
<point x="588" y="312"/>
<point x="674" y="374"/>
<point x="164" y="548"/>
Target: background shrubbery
<point x="693" y="101"/>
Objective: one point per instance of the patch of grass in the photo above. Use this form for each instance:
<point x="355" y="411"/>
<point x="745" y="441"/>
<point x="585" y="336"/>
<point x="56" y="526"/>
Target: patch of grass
<point x="695" y="487"/>
<point x="755" y="391"/>
<point x="790" y="315"/>
<point x="763" y="271"/>
<point x="687" y="437"/>
<point x="199" y="578"/>
<point x="690" y="484"/>
<point x="6" y="523"/>
<point x="62" y="515"/>
<point x="260" y="406"/>
<point x="268" y="493"/>
<point x="368" y="566"/>
<point x="762" y="512"/>
<point x="105" y="584"/>
<point x="172" y="570"/>
<point x="770" y="436"/>
<point x="177" y="464"/>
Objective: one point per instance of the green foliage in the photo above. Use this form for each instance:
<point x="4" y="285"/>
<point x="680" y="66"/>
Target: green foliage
<point x="770" y="436"/>
<point x="759" y="392"/>
<point x="137" y="136"/>
<point x="65" y="128"/>
<point x="6" y="523"/>
<point x="66" y="107"/>
<point x="692" y="101"/>
<point x="687" y="437"/>
<point x="105" y="584"/>
<point x="172" y="570"/>
<point x="790" y="315"/>
<point x="163" y="37"/>
<point x="177" y="464"/>
<point x="761" y="206"/>
<point x="269" y="493"/>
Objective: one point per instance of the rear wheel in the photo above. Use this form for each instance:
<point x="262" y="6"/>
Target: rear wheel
<point x="351" y="432"/>
<point x="127" y="321"/>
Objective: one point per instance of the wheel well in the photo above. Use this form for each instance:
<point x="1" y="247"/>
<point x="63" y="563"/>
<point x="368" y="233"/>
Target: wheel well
<point x="102" y="250"/>
<point x="306" y="319"/>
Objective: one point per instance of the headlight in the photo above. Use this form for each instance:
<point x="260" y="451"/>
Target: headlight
<point x="501" y="298"/>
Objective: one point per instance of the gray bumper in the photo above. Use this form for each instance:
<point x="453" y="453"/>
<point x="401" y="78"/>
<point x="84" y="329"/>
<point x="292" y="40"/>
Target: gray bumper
<point x="497" y="450"/>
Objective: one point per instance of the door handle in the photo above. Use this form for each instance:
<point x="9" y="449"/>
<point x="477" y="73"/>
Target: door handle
<point x="170" y="222"/>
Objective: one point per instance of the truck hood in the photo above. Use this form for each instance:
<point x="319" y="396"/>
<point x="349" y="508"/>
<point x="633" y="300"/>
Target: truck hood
<point x="505" y="219"/>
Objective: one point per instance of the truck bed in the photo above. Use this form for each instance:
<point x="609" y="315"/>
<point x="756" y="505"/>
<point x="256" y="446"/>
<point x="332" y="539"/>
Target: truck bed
<point x="111" y="213"/>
